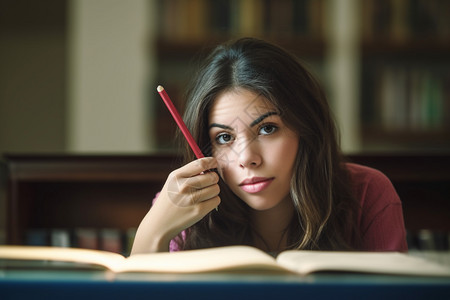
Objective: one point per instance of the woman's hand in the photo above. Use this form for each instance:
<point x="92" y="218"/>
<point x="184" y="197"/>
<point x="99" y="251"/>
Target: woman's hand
<point x="189" y="193"/>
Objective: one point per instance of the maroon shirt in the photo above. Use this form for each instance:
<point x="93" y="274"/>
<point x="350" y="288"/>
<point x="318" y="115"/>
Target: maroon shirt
<point x="381" y="216"/>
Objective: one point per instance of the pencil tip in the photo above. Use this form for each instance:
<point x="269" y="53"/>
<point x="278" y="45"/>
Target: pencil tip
<point x="160" y="88"/>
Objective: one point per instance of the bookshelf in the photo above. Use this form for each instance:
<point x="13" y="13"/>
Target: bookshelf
<point x="403" y="58"/>
<point x="91" y="195"/>
<point x="107" y="195"/>
<point x="405" y="99"/>
<point x="188" y="29"/>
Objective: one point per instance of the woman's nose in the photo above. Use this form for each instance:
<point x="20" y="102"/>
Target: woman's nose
<point x="249" y="155"/>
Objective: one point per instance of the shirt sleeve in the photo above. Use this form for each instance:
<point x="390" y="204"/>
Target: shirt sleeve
<point x="381" y="221"/>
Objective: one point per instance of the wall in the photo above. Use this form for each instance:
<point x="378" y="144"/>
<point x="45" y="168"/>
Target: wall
<point x="32" y="76"/>
<point x="73" y="77"/>
<point x="109" y="58"/>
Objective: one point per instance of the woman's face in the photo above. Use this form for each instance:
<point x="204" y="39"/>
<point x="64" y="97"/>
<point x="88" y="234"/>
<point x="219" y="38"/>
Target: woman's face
<point x="254" y="148"/>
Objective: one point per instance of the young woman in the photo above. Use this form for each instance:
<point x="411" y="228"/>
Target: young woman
<point x="272" y="163"/>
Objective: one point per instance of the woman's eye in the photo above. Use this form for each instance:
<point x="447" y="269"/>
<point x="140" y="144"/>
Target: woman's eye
<point x="224" y="138"/>
<point x="267" y="129"/>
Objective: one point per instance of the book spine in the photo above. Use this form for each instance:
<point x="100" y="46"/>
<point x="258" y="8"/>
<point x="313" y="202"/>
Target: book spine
<point x="86" y="238"/>
<point x="60" y="238"/>
<point x="403" y="20"/>
<point x="411" y="99"/>
<point x="108" y="239"/>
<point x="111" y="240"/>
<point x="37" y="237"/>
<point x="190" y="20"/>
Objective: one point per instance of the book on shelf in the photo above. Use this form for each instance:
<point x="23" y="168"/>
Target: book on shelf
<point x="107" y="239"/>
<point x="194" y="20"/>
<point x="229" y="259"/>
<point x="250" y="18"/>
<point x="412" y="98"/>
<point x="404" y="20"/>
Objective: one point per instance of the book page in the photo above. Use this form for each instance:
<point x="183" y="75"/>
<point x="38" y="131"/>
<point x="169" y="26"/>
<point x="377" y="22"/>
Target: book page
<point x="304" y="262"/>
<point x="232" y="258"/>
<point x="76" y="255"/>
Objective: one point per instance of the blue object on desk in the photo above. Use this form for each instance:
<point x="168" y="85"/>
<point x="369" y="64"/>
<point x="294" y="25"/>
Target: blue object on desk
<point x="67" y="285"/>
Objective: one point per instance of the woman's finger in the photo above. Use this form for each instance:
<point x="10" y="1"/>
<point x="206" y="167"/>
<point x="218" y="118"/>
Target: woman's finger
<point x="210" y="204"/>
<point x="201" y="180"/>
<point x="180" y="185"/>
<point x="197" y="166"/>
<point x="205" y="194"/>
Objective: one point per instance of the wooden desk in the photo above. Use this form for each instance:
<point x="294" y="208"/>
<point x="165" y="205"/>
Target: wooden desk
<point x="67" y="285"/>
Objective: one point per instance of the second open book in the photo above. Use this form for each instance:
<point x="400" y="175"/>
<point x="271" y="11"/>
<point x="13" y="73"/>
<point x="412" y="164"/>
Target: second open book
<point x="233" y="258"/>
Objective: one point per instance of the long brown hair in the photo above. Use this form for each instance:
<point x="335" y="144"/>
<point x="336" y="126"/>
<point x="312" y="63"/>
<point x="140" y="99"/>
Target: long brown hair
<point x="326" y="210"/>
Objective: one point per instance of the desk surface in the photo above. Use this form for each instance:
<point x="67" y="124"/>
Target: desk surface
<point x="39" y="284"/>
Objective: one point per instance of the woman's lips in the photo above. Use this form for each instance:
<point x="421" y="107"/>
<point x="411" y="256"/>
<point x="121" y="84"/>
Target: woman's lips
<point x="255" y="184"/>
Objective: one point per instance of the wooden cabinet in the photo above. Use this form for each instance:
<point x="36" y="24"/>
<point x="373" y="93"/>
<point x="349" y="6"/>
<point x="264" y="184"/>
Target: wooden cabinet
<point x="78" y="191"/>
<point x="70" y="192"/>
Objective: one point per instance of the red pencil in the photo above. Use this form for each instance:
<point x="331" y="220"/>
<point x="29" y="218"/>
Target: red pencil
<point x="180" y="122"/>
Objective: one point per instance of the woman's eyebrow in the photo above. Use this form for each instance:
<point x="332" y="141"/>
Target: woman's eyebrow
<point x="255" y="122"/>
<point x="262" y="117"/>
<point x="220" y="126"/>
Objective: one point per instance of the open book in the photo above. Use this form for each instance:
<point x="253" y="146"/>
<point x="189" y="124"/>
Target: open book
<point x="233" y="258"/>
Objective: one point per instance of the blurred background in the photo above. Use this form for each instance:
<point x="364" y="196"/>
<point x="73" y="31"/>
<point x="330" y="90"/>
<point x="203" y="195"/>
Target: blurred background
<point x="81" y="75"/>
